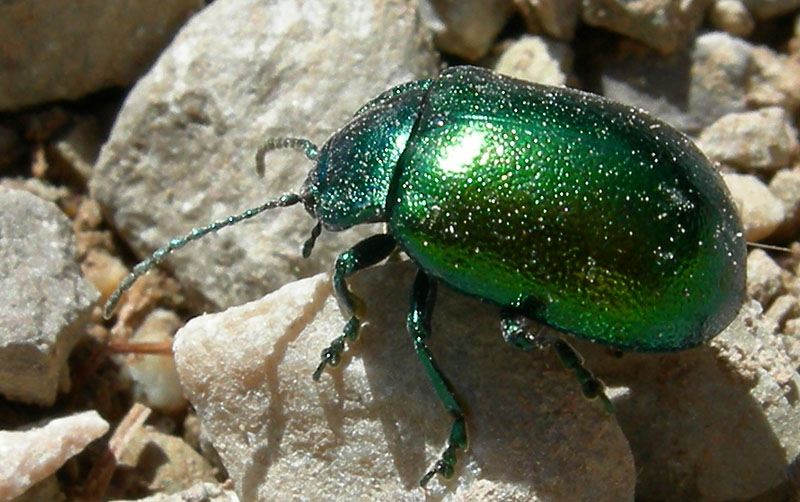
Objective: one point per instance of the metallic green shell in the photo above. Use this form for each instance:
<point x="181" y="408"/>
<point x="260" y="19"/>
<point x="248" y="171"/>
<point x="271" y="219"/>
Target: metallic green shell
<point x="585" y="214"/>
<point x="355" y="167"/>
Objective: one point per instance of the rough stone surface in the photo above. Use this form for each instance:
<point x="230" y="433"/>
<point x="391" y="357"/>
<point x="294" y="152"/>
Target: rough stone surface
<point x="689" y="89"/>
<point x="182" y="151"/>
<point x="662" y="24"/>
<point x="760" y="210"/>
<point x="32" y="455"/>
<point x="761" y="139"/>
<point x="731" y="16"/>
<point x="775" y="80"/>
<point x="162" y="463"/>
<point x="786" y="186"/>
<point x="466" y="28"/>
<point x="537" y="59"/>
<point x="201" y="492"/>
<point x="44" y="300"/>
<point x="716" y="423"/>
<point x="370" y="428"/>
<point x="65" y="50"/>
<point x="763" y="277"/>
<point x="557" y="18"/>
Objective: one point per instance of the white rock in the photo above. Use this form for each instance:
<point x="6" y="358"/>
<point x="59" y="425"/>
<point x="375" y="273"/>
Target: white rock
<point x="761" y="211"/>
<point x="32" y="455"/>
<point x="369" y="429"/>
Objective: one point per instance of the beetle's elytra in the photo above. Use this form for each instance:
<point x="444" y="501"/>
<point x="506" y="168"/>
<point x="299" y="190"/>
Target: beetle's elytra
<point x="554" y="204"/>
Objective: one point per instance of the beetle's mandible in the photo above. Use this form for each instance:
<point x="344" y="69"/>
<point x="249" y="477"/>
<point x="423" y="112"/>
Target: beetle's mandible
<point x="554" y="204"/>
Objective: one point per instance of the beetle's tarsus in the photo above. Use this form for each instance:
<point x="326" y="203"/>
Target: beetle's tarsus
<point x="516" y="334"/>
<point x="592" y="387"/>
<point x="364" y="254"/>
<point x="423" y="299"/>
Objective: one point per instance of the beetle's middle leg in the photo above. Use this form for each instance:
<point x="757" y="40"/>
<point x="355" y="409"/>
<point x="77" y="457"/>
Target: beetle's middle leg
<point x="516" y="334"/>
<point x="423" y="297"/>
<point x="364" y="254"/>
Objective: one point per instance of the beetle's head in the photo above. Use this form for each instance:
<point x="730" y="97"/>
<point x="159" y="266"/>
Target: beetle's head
<point x="354" y="169"/>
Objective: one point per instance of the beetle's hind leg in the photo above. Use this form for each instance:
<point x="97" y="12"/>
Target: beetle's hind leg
<point x="423" y="297"/>
<point x="516" y="334"/>
<point x="364" y="254"/>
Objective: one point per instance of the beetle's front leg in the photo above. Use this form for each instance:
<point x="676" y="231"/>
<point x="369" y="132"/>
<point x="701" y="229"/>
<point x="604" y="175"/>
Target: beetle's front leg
<point x="364" y="254"/>
<point x="423" y="297"/>
<point x="516" y="334"/>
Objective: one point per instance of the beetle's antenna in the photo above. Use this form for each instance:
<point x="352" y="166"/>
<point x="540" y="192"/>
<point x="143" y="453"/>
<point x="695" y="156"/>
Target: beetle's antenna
<point x="309" y="244"/>
<point x="158" y="256"/>
<point x="308" y="148"/>
<point x="769" y="247"/>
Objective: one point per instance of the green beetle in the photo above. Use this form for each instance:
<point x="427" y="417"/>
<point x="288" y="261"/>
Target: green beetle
<point x="554" y="204"/>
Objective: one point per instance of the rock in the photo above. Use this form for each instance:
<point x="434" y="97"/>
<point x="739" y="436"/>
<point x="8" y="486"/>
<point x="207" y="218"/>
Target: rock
<point x="763" y="277"/>
<point x="465" y="28"/>
<point x="761" y="139"/>
<point x="689" y="89"/>
<point x="159" y="462"/>
<point x="155" y="381"/>
<point x="731" y="16"/>
<point x="47" y="489"/>
<point x="104" y="271"/>
<point x="557" y="18"/>
<point x="760" y="210"/>
<point x="33" y="455"/>
<point x="44" y="300"/>
<point x="785" y="185"/>
<point x="782" y="308"/>
<point x="62" y="50"/>
<point x="775" y="80"/>
<point x="766" y="9"/>
<point x="182" y="151"/>
<point x="664" y="25"/>
<point x="78" y="149"/>
<point x="370" y="428"/>
<point x="201" y="492"/>
<point x="711" y="424"/>
<point x="538" y="60"/>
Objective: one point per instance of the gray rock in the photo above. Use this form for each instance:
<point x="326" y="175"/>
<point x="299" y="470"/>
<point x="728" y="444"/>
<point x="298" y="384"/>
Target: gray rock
<point x="689" y="89"/>
<point x="65" y="50"/>
<point x="557" y="18"/>
<point x="664" y="25"/>
<point x="765" y="9"/>
<point x="731" y="16"/>
<point x="537" y="59"/>
<point x="760" y="210"/>
<point x="716" y="423"/>
<point x="44" y="299"/>
<point x="182" y="151"/>
<point x="370" y="428"/>
<point x="761" y="139"/>
<point x="465" y="28"/>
